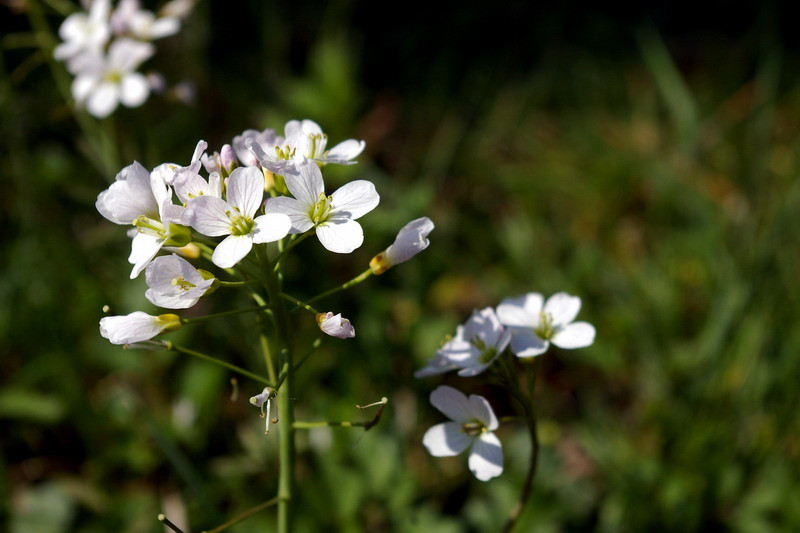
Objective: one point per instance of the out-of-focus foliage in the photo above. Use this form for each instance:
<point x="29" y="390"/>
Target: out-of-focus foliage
<point x="650" y="168"/>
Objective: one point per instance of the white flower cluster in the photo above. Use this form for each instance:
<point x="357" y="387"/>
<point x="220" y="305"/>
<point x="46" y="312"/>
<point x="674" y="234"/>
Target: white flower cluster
<point x="103" y="48"/>
<point x="528" y="325"/>
<point x="165" y="205"/>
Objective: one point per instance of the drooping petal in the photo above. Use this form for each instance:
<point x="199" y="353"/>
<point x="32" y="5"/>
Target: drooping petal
<point x="307" y="184"/>
<point x="335" y="325"/>
<point x="134" y="89"/>
<point x="486" y="457"/>
<point x="246" y="189"/>
<point x="341" y="237"/>
<point x="208" y="215"/>
<point x="446" y="439"/>
<point x="270" y="227"/>
<point x="345" y="150"/>
<point x="521" y="311"/>
<point x="575" y="335"/>
<point x="144" y="248"/>
<point x="356" y="198"/>
<point x="232" y="250"/>
<point x="103" y="99"/>
<point x="563" y="308"/>
<point x="525" y="343"/>
<point x="452" y="403"/>
<point x="294" y="209"/>
<point x="136" y="327"/>
<point x="482" y="410"/>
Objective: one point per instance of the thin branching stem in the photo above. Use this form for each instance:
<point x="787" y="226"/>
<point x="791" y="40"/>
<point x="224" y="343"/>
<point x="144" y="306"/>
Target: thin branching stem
<point x="247" y="514"/>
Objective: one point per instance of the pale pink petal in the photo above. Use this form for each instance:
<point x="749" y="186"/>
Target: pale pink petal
<point x="446" y="439"/>
<point x="486" y="457"/>
<point x="575" y="335"/>
<point x="232" y="250"/>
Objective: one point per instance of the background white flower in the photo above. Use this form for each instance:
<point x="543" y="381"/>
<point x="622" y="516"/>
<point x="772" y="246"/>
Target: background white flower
<point x="174" y="283"/>
<point x="472" y="426"/>
<point x="535" y="324"/>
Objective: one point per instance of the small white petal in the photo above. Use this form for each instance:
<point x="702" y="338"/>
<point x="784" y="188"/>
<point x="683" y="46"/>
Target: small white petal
<point x="452" y="403"/>
<point x="164" y="27"/>
<point x="103" y="99"/>
<point x="356" y="198"/>
<point x="341" y="237"/>
<point x="563" y="308"/>
<point x="411" y="240"/>
<point x="246" y="189"/>
<point x="270" y="227"/>
<point x="438" y="365"/>
<point x="208" y="215"/>
<point x="525" y="343"/>
<point x="135" y="327"/>
<point x="521" y="311"/>
<point x="143" y="249"/>
<point x="306" y="185"/>
<point x="575" y="335"/>
<point x="346" y="150"/>
<point x="446" y="439"/>
<point x="134" y="89"/>
<point x="480" y="409"/>
<point x="130" y="196"/>
<point x="232" y="250"/>
<point x="486" y="457"/>
<point x="294" y="209"/>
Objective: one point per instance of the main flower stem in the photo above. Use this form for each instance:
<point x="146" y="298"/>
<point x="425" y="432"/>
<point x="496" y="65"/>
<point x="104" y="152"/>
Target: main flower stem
<point x="286" y="451"/>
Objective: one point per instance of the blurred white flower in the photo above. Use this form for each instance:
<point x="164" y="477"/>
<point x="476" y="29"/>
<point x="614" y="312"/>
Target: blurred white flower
<point x="174" y="283"/>
<point x="235" y="217"/>
<point x="335" y="325"/>
<point x="130" y="19"/>
<point x="105" y="81"/>
<point x="475" y="346"/>
<point x="83" y="34"/>
<point x="265" y="140"/>
<point x="332" y="217"/>
<point x="472" y="426"/>
<point x="410" y="240"/>
<point x="137" y="327"/>
<point x="535" y="323"/>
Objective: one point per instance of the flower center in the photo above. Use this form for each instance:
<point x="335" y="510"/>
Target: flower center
<point x="473" y="428"/>
<point x="285" y="153"/>
<point x="487" y="352"/>
<point x="240" y="224"/>
<point x="113" y="76"/>
<point x="316" y="145"/>
<point x="149" y="226"/>
<point x="321" y="210"/>
<point x="182" y="283"/>
<point x="545" y="329"/>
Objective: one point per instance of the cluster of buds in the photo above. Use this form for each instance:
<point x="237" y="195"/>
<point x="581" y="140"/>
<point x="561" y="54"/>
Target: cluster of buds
<point x="528" y="325"/>
<point x="103" y="48"/>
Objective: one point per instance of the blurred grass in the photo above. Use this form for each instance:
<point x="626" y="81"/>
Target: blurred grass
<point x="660" y="186"/>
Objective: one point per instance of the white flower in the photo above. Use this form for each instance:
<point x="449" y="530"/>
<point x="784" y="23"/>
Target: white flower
<point x="265" y="140"/>
<point x="174" y="283"/>
<point x="104" y="81"/>
<point x="410" y="240"/>
<point x="535" y="324"/>
<point x="303" y="140"/>
<point x="332" y="217"/>
<point x="335" y="325"/>
<point x="215" y="217"/>
<point x="137" y="327"/>
<point x="473" y="422"/>
<point x="475" y="346"/>
<point x="130" y="18"/>
<point x="141" y="198"/>
<point x="222" y="162"/>
<point x="83" y="33"/>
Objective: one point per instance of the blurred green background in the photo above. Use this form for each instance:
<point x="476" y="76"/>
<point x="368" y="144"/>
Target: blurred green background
<point x="644" y="160"/>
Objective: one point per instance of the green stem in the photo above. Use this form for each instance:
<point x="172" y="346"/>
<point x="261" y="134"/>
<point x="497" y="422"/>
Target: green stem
<point x="239" y="283"/>
<point x="229" y="366"/>
<point x="206" y="318"/>
<point x="356" y="280"/>
<point x="367" y="425"/>
<point x="293" y="241"/>
<point x="163" y="519"/>
<point x="247" y="514"/>
<point x="299" y="303"/>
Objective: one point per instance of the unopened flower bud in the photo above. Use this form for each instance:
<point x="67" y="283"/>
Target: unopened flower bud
<point x="137" y="327"/>
<point x="411" y="240"/>
<point x="335" y="325"/>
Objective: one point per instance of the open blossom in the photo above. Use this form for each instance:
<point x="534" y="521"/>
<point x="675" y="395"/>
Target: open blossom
<point x="235" y="217"/>
<point x="332" y="217"/>
<point x="266" y="141"/>
<point x="174" y="283"/>
<point x="137" y="327"/>
<point x="472" y="426"/>
<point x="475" y="346"/>
<point x="303" y="140"/>
<point x="83" y="33"/>
<point x="335" y="325"/>
<point x="129" y="18"/>
<point x="535" y="323"/>
<point x="411" y="240"/>
<point x="104" y="81"/>
<point x="142" y="198"/>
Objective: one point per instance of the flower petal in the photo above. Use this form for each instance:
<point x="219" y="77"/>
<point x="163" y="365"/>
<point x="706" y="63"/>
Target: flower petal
<point x="482" y="410"/>
<point x="134" y="89"/>
<point x="345" y="150"/>
<point x="525" y="343"/>
<point x="438" y="365"/>
<point x="306" y="185"/>
<point x="135" y="327"/>
<point x="246" y="189"/>
<point x="521" y="311"/>
<point x="563" y="308"/>
<point x="575" y="335"/>
<point x="208" y="215"/>
<point x="446" y="439"/>
<point x="270" y="227"/>
<point x="486" y="457"/>
<point x="143" y="248"/>
<point x="294" y="209"/>
<point x="452" y="403"/>
<point x="232" y="250"/>
<point x="356" y="198"/>
<point x="103" y="99"/>
<point x="128" y="197"/>
<point x="341" y="237"/>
